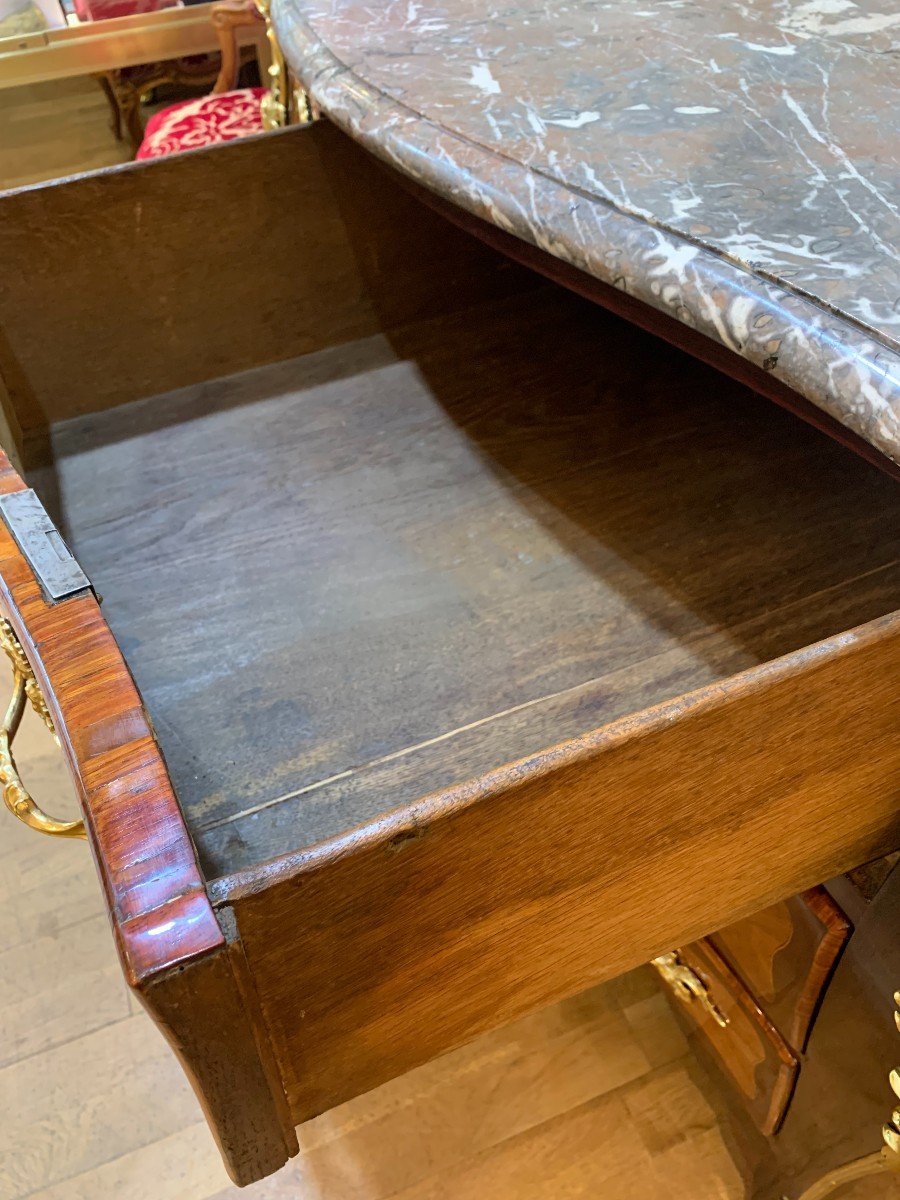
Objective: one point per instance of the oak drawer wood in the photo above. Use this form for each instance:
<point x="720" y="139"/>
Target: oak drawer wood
<point x="785" y="956"/>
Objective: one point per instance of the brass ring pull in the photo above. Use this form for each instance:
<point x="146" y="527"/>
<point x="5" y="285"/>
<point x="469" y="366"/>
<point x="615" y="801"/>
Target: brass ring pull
<point x="15" y="794"/>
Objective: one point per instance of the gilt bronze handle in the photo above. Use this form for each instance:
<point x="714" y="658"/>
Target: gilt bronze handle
<point x="25" y="690"/>
<point x="688" y="986"/>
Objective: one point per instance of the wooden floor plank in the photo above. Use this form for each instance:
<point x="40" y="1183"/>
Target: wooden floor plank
<point x="574" y="1154"/>
<point x="484" y="1095"/>
<point x="55" y="128"/>
<point x="183" y="1166"/>
<point x="44" y="888"/>
<point x="73" y="983"/>
<point x="84" y="1103"/>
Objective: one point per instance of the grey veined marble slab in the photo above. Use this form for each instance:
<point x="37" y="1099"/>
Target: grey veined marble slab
<point x="734" y="165"/>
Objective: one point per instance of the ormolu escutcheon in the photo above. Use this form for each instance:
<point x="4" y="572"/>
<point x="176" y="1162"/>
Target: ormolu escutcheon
<point x="688" y="986"/>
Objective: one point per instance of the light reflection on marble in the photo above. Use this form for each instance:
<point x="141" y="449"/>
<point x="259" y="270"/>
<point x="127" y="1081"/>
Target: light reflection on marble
<point x="734" y="165"/>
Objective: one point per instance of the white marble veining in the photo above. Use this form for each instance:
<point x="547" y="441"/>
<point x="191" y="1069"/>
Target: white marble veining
<point x="735" y="165"/>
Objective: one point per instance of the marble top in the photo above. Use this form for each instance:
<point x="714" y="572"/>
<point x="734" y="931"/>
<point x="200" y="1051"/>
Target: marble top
<point x="735" y="165"/>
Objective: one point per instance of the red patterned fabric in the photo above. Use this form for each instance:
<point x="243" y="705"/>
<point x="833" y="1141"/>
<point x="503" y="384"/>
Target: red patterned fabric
<point x="195" y="123"/>
<point x="103" y="10"/>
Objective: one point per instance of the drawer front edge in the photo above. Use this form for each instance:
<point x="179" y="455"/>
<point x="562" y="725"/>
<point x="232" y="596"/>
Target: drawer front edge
<point x="172" y="948"/>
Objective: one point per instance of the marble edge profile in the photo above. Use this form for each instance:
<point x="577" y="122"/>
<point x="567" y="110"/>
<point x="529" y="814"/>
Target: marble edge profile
<point x="829" y="361"/>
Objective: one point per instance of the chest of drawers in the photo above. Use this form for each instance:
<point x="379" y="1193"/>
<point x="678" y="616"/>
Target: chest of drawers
<point x="461" y="645"/>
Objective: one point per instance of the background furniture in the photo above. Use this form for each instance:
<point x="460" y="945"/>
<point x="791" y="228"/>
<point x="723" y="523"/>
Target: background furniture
<point x="110" y="45"/>
<point x="806" y="986"/>
<point x="126" y="87"/>
<point x="229" y="112"/>
<point x="192" y="124"/>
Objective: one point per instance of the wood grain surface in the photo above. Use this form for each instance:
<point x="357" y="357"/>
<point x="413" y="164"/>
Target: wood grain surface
<point x="395" y="942"/>
<point x="349" y="580"/>
<point x="598" y="1093"/>
<point x="472" y="521"/>
<point x="129" y="281"/>
<point x="171" y="946"/>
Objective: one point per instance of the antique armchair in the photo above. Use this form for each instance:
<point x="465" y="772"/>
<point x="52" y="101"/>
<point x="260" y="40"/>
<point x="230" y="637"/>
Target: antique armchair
<point x="126" y="87"/>
<point x="228" y="112"/>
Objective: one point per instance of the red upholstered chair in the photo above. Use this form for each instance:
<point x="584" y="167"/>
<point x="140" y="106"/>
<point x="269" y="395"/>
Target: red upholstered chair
<point x="125" y="87"/>
<point x="190" y="124"/>
<point x="105" y="10"/>
<point x="228" y="112"/>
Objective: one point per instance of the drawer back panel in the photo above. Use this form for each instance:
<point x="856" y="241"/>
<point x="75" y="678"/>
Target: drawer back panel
<point x="126" y="282"/>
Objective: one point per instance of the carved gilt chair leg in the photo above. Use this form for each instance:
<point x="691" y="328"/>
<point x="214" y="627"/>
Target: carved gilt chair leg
<point x="131" y="111"/>
<point x="228" y="16"/>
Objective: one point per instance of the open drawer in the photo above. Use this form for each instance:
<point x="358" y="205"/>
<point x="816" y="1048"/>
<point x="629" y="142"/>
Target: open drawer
<point x="461" y="645"/>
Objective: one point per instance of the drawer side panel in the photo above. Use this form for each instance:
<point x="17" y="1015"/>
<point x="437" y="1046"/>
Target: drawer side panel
<point x="405" y="938"/>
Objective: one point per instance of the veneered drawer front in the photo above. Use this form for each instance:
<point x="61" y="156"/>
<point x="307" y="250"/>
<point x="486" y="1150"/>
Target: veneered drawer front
<point x="785" y="954"/>
<point x="66" y="662"/>
<point x="726" y="1023"/>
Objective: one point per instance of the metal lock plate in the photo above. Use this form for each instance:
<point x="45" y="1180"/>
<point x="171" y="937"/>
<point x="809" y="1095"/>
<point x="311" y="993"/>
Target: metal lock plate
<point x="40" y="541"/>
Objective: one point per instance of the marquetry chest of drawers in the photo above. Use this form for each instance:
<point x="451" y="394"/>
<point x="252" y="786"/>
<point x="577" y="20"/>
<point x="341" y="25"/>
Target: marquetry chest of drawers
<point x="461" y="644"/>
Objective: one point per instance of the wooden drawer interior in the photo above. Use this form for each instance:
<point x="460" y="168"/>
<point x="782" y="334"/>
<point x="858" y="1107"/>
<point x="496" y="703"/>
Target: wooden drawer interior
<point x="743" y="1043"/>
<point x="785" y="956"/>
<point x="467" y="525"/>
<point x="350" y="579"/>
